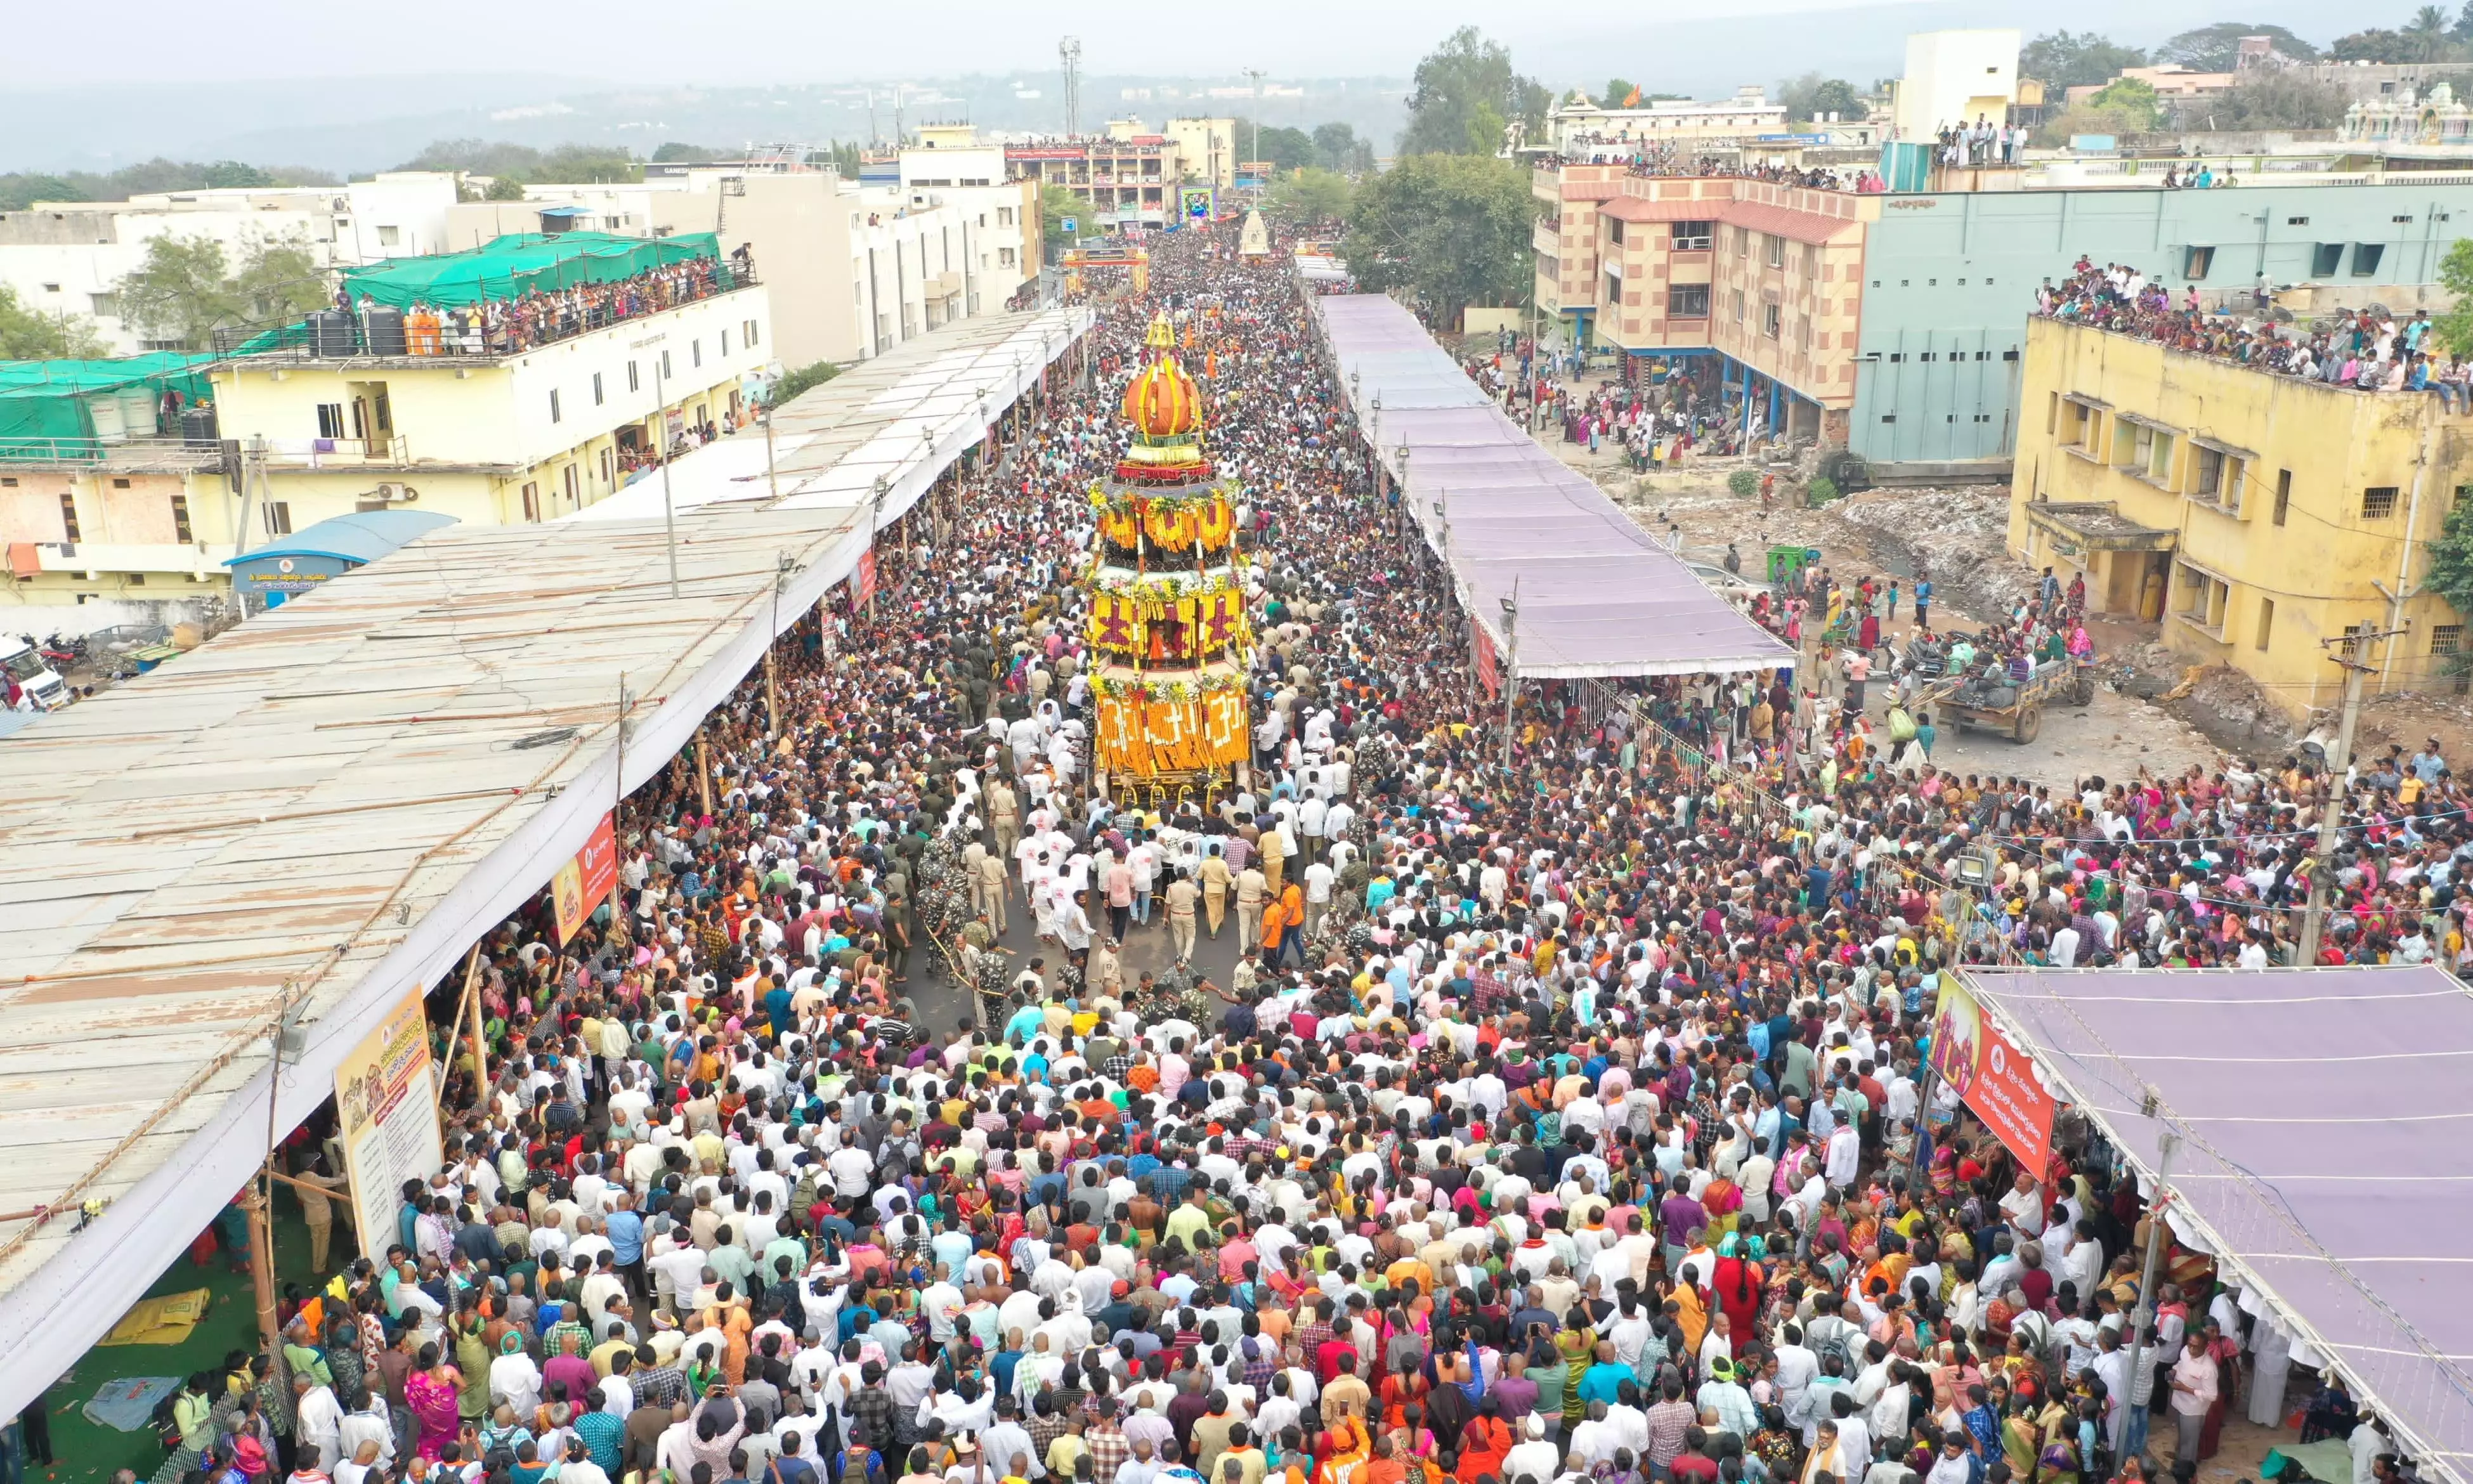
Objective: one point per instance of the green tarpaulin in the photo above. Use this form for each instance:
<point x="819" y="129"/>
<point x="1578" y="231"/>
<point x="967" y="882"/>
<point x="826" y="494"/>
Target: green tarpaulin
<point x="43" y="412"/>
<point x="519" y="263"/>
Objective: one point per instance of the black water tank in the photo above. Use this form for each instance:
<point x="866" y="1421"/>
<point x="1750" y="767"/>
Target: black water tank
<point x="198" y="426"/>
<point x="384" y="326"/>
<point x="330" y="333"/>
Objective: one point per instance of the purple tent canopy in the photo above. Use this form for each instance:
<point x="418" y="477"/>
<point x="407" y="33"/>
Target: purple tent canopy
<point x="2323" y="1116"/>
<point x="1597" y="595"/>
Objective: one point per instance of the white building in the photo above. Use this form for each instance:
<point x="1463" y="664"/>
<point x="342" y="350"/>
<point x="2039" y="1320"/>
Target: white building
<point x="999" y="217"/>
<point x="66" y="258"/>
<point x="850" y="271"/>
<point x="1955" y="76"/>
<point x="1575" y="128"/>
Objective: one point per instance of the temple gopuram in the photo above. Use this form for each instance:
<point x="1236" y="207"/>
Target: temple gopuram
<point x="1169" y="639"/>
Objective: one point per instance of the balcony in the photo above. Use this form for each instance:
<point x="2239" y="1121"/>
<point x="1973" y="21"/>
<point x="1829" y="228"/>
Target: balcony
<point x="129" y="455"/>
<point x="1547" y="239"/>
<point x="487" y="333"/>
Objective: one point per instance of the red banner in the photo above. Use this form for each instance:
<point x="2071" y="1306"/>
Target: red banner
<point x="863" y="580"/>
<point x="1488" y="674"/>
<point x="1992" y="1076"/>
<point x="586" y="881"/>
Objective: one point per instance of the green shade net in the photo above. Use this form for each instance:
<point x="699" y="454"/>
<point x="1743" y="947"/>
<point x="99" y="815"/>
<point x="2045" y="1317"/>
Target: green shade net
<point x="519" y="263"/>
<point x="42" y="403"/>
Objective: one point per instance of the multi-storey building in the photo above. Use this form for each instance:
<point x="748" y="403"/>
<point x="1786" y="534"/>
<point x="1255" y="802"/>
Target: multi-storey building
<point x="863" y="267"/>
<point x="1928" y="284"/>
<point x="1130" y="176"/>
<point x="1205" y="149"/>
<point x="1762" y="277"/>
<point x="66" y="259"/>
<point x="2255" y="517"/>
<point x="492" y="437"/>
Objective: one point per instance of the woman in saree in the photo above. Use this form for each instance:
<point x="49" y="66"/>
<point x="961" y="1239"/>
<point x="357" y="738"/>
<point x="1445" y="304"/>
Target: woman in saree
<point x="434" y="1391"/>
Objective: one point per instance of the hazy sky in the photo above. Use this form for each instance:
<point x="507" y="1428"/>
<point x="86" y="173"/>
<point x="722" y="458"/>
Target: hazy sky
<point x="726" y="42"/>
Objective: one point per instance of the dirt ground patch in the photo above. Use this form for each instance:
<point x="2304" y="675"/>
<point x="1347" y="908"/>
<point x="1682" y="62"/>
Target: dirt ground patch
<point x="1957" y="535"/>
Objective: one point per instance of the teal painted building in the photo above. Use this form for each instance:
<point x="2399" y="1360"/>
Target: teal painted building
<point x="1950" y="278"/>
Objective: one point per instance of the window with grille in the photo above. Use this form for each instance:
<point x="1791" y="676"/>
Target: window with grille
<point x="2378" y="502"/>
<point x="68" y="518"/>
<point x="2446" y="639"/>
<point x="181" y="531"/>
<point x="1687" y="301"/>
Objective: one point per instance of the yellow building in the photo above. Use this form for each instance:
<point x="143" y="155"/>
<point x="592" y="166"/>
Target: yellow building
<point x="2252" y="516"/>
<point x="498" y="438"/>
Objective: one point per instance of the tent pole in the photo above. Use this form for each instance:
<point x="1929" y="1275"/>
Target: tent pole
<point x="2143" y="1319"/>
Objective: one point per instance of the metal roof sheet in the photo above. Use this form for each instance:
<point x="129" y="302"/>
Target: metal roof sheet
<point x="329" y="806"/>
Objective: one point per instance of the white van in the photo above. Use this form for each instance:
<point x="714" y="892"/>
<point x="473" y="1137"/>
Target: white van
<point x="36" y="686"/>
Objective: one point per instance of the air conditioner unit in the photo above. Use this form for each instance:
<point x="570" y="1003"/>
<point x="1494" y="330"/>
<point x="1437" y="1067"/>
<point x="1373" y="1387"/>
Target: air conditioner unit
<point x="394" y="494"/>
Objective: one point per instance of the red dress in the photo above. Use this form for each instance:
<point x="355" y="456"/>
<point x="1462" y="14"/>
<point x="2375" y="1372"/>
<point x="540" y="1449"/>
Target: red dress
<point x="1736" y="1284"/>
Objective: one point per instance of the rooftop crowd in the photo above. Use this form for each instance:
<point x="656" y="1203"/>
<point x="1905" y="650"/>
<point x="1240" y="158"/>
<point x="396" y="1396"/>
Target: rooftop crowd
<point x="2364" y="348"/>
<point x="541" y="317"/>
<point x="1558" y="1124"/>
<point x="1654" y="160"/>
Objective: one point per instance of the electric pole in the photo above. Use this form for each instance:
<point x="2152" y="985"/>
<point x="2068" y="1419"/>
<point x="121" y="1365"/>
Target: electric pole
<point x="1257" y="74"/>
<point x="2314" y="916"/>
<point x="2143" y="1319"/>
<point x="1068" y="53"/>
<point x="1510" y="666"/>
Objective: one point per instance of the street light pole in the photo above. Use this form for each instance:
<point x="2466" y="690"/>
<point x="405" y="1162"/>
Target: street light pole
<point x="772" y="480"/>
<point x="2143" y="1318"/>
<point x="669" y="510"/>
<point x="1510" y="666"/>
<point x="2322" y="869"/>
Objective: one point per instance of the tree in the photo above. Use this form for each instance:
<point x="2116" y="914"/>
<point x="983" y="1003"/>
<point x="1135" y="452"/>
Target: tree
<point x="2134" y="100"/>
<point x="280" y="281"/>
<point x="1452" y="229"/>
<point x="792" y="384"/>
<point x="182" y="292"/>
<point x="1457" y="79"/>
<point x="1287" y="149"/>
<point x="17" y="192"/>
<point x="2451" y="566"/>
<point x="186" y="290"/>
<point x="2217" y="48"/>
<point x="504" y="188"/>
<point x="1336" y="147"/>
<point x="1056" y="206"/>
<point x="587" y="165"/>
<point x="1622" y="92"/>
<point x="2427" y="35"/>
<point x="2278" y="100"/>
<point x="2456" y="326"/>
<point x="2063" y="60"/>
<point x="2373" y="45"/>
<point x="2462" y="29"/>
<point x="1311" y="195"/>
<point x="1811" y="95"/>
<point x="674" y="151"/>
<point x="27" y="335"/>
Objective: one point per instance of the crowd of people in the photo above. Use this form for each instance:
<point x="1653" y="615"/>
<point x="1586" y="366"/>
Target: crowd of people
<point x="1982" y="143"/>
<point x="2365" y="349"/>
<point x="541" y="317"/>
<point x="1656" y="418"/>
<point x="1666" y="158"/>
<point x="1562" y="1121"/>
